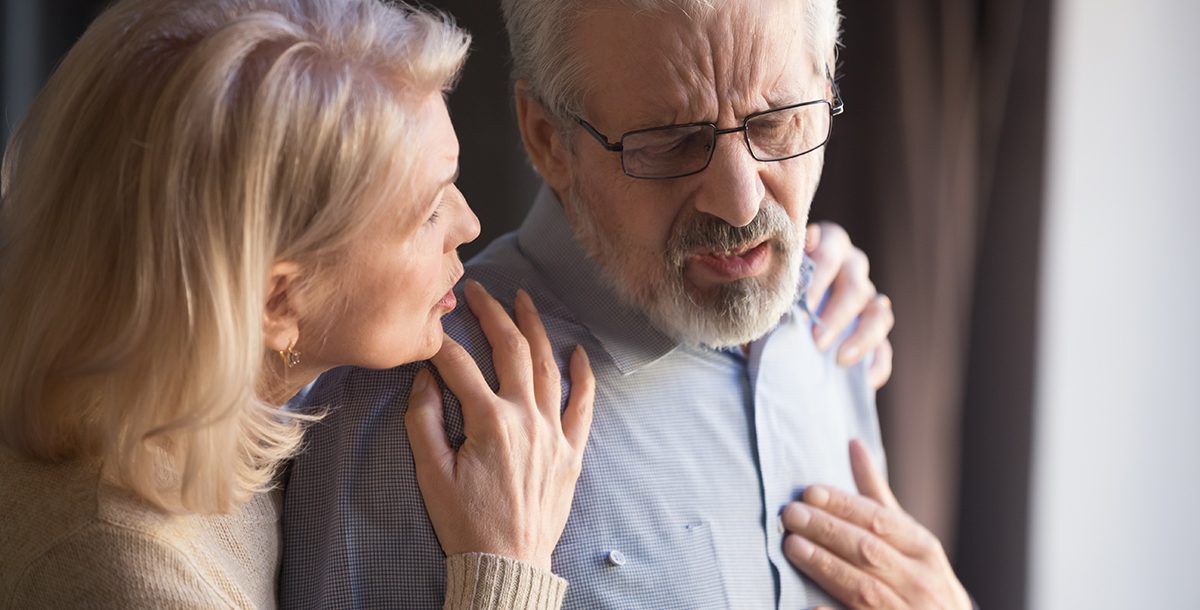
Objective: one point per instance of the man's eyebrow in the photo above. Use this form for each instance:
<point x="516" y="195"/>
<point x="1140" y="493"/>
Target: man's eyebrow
<point x="786" y="96"/>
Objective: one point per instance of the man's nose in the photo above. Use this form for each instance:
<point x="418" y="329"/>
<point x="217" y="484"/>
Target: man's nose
<point x="733" y="187"/>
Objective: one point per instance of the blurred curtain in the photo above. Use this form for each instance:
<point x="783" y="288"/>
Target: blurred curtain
<point x="495" y="176"/>
<point x="34" y="35"/>
<point x="937" y="172"/>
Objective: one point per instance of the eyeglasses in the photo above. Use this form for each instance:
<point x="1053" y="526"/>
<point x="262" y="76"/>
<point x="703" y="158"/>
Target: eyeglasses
<point x="675" y="151"/>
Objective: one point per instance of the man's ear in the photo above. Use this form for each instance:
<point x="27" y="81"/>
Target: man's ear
<point x="539" y="132"/>
<point x="281" y="319"/>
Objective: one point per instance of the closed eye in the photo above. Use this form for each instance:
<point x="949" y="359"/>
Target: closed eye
<point x="437" y="213"/>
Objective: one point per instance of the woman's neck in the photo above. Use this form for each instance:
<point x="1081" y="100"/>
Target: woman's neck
<point x="278" y="385"/>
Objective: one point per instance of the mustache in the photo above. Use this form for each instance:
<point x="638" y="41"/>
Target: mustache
<point x="705" y="232"/>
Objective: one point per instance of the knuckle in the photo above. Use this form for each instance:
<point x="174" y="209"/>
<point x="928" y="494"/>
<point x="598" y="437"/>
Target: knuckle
<point x="923" y="590"/>
<point x="861" y="261"/>
<point x="834" y="233"/>
<point x="858" y="288"/>
<point x="869" y="594"/>
<point x="927" y="544"/>
<point x="889" y="317"/>
<point x="515" y="342"/>
<point x="936" y="546"/>
<point x="840" y="503"/>
<point x="823" y="562"/>
<point x="871" y="551"/>
<point x="887" y="352"/>
<point x="823" y="527"/>
<point x="547" y="369"/>
<point x="879" y="523"/>
<point x="875" y="310"/>
<point x="868" y="291"/>
<point x="493" y="419"/>
<point x="567" y="454"/>
<point x="884" y="302"/>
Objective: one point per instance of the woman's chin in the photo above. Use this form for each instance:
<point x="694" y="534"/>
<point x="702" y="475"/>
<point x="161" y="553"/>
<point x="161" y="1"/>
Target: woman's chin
<point x="428" y="342"/>
<point x="431" y="342"/>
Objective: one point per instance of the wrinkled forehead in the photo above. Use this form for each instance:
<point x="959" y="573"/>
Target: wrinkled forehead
<point x="666" y="66"/>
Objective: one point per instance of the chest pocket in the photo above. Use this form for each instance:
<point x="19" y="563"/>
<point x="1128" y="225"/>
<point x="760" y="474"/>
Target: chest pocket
<point x="669" y="567"/>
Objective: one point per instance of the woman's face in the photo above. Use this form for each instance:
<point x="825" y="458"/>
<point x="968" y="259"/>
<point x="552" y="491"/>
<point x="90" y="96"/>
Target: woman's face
<point x="397" y="279"/>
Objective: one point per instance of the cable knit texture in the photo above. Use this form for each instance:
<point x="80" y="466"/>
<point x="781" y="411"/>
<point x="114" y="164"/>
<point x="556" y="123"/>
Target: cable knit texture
<point x="72" y="541"/>
<point x="69" y="540"/>
<point x="479" y="581"/>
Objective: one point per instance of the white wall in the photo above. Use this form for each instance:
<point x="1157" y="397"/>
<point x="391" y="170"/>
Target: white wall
<point x="1116" y="490"/>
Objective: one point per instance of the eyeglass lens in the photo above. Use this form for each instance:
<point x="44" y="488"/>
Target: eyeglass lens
<point x="678" y="151"/>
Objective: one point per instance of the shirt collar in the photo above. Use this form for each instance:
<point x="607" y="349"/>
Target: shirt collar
<point x="546" y="239"/>
<point x="576" y="280"/>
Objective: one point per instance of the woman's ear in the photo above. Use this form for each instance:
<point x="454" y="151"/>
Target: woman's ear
<point x="281" y="319"/>
<point x="539" y="132"/>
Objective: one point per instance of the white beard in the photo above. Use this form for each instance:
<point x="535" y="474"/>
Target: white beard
<point x="734" y="314"/>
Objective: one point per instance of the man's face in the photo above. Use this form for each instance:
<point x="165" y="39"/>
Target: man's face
<point x="711" y="258"/>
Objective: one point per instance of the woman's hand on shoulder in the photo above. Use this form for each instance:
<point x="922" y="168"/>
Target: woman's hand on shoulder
<point x="507" y="490"/>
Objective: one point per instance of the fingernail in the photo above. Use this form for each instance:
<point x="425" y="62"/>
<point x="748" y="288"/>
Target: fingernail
<point x="421" y="382"/>
<point x="800" y="546"/>
<point x="817" y="496"/>
<point x="799" y="515"/>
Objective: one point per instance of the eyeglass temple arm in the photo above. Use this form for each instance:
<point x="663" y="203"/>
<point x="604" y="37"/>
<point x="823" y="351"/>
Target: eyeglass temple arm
<point x="838" y="106"/>
<point x="601" y="138"/>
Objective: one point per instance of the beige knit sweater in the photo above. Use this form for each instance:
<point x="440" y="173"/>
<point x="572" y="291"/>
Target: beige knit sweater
<point x="68" y="540"/>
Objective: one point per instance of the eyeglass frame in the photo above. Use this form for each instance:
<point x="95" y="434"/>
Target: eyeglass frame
<point x="836" y="107"/>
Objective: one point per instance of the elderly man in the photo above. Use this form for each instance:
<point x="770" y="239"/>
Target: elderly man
<point x="681" y="145"/>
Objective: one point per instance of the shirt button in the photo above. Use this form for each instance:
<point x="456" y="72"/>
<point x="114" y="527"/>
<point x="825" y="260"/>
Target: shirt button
<point x="616" y="558"/>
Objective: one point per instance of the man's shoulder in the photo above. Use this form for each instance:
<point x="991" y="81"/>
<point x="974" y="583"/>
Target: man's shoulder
<point x="502" y="268"/>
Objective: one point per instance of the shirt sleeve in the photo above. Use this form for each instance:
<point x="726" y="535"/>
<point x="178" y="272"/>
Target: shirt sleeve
<point x="480" y="581"/>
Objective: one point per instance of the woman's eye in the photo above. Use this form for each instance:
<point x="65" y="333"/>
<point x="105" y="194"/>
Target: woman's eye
<point x="437" y="212"/>
<point x="437" y="209"/>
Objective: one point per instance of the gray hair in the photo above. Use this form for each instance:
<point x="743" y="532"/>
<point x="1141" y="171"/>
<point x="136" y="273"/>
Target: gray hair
<point x="540" y="31"/>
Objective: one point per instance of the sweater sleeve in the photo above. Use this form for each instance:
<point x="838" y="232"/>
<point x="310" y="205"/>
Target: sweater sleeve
<point x="105" y="567"/>
<point x="480" y="581"/>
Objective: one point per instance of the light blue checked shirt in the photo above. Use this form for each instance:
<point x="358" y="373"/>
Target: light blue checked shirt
<point x="692" y="456"/>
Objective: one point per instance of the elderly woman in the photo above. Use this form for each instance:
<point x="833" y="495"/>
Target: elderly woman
<point x="211" y="203"/>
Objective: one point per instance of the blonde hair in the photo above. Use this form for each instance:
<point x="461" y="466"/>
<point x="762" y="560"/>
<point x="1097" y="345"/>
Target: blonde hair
<point x="540" y="35"/>
<point x="182" y="148"/>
